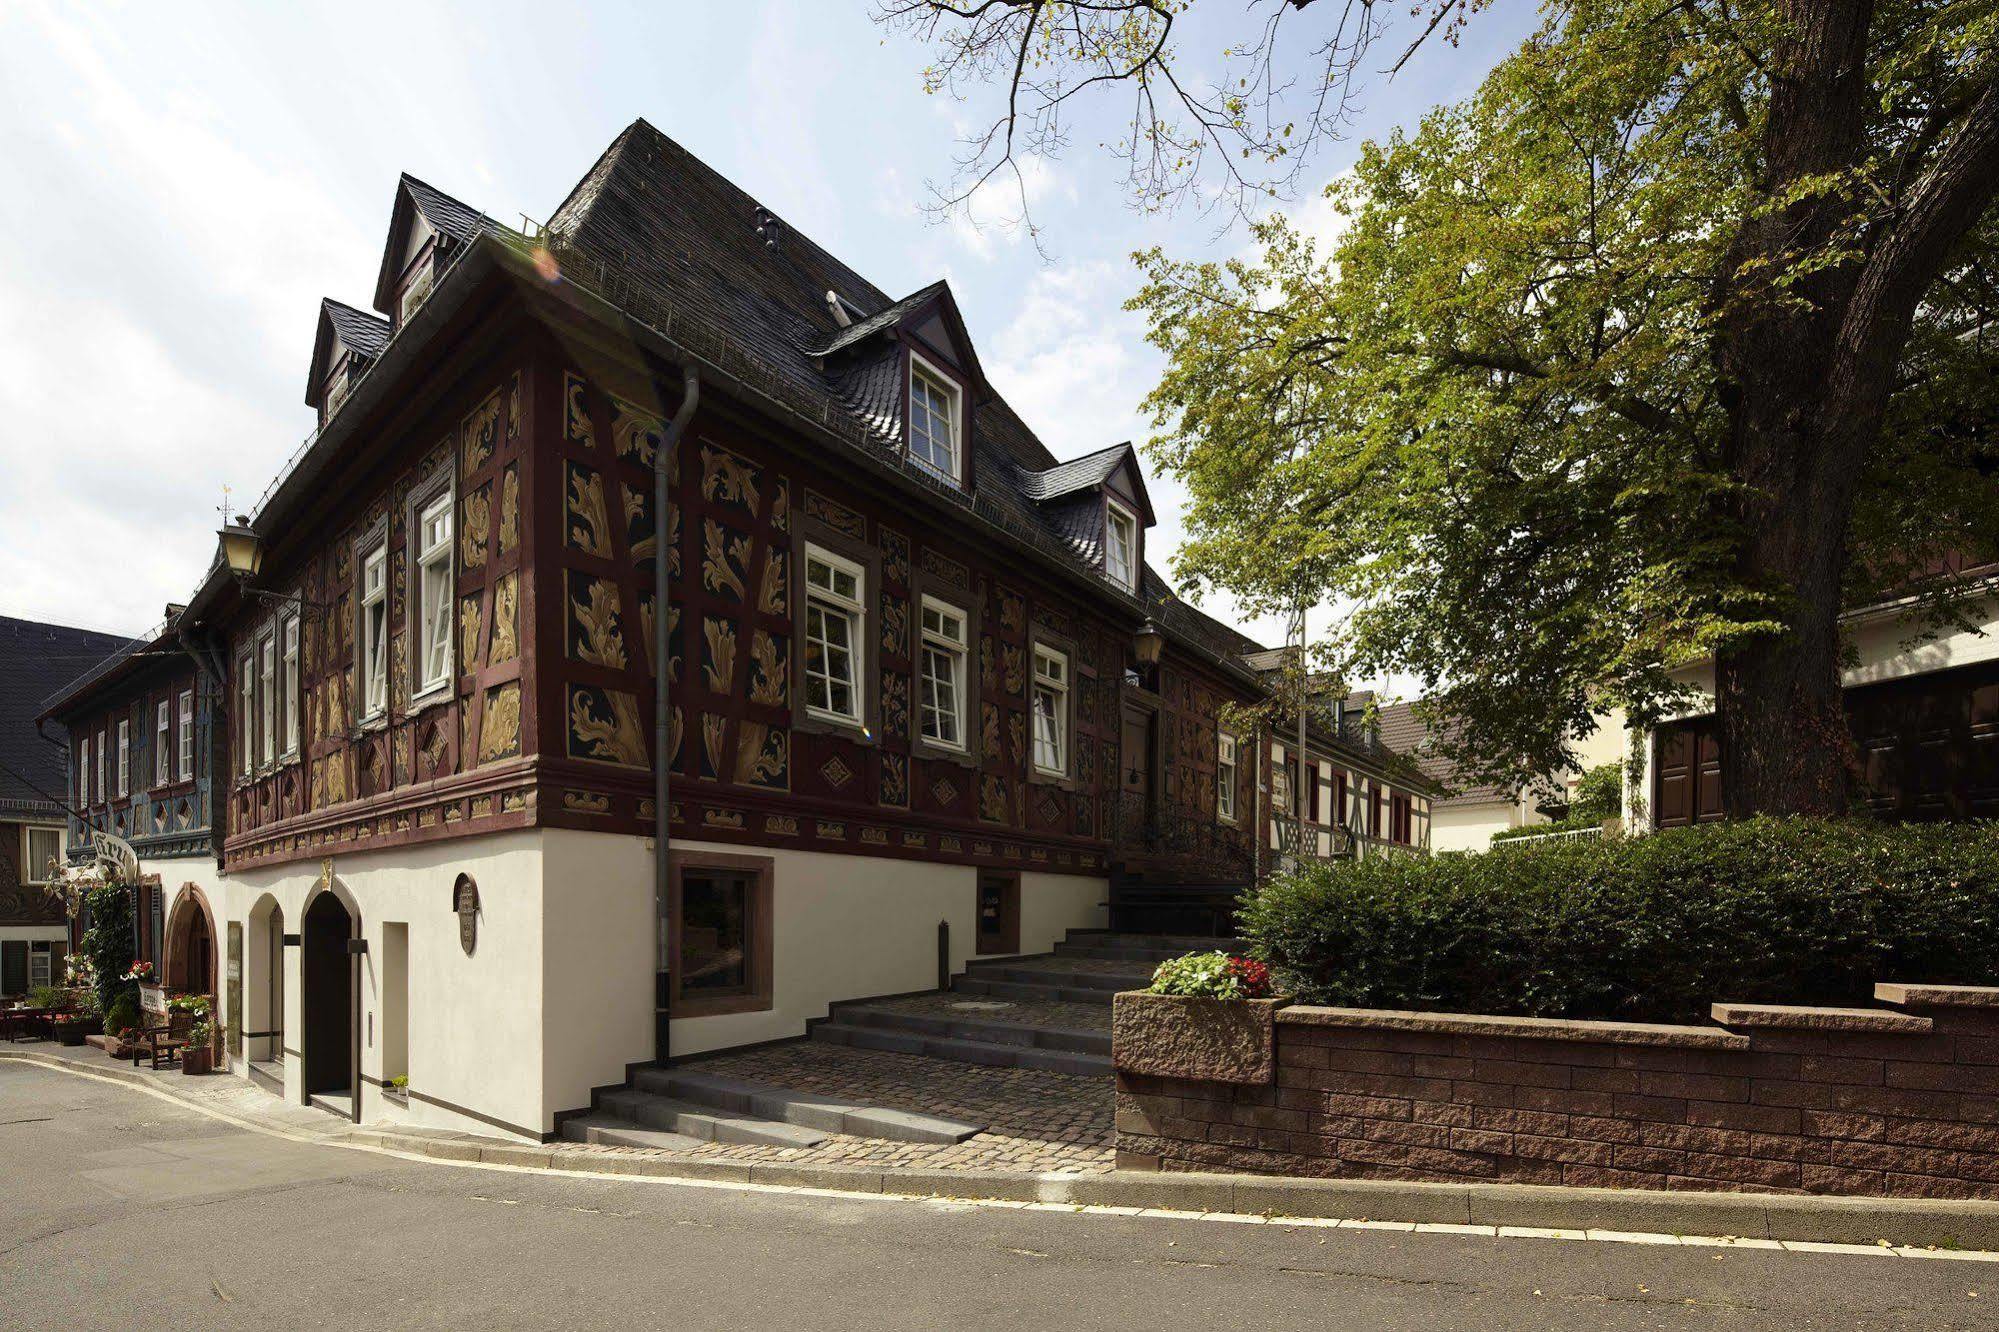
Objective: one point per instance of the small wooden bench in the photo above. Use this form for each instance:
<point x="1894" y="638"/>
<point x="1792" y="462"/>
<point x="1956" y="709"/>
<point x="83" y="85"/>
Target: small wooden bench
<point x="161" y="1038"/>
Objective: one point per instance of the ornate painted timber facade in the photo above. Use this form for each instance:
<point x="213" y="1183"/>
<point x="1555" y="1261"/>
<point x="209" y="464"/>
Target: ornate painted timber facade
<point x="923" y="684"/>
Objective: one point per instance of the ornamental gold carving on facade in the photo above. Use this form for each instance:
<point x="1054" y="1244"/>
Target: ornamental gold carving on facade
<point x="727" y="479"/>
<point x="500" y="723"/>
<point x="1012" y="611"/>
<point x="771" y="598"/>
<point x="479" y="434"/>
<point x="763" y="756"/>
<point x="723" y="818"/>
<point x="514" y="405"/>
<point x="895" y="780"/>
<point x="635" y="434"/>
<point x="589" y="528"/>
<point x="895" y="557"/>
<point x="780" y="825"/>
<point x="639" y="539"/>
<point x="713" y="725"/>
<point x="510" y="510"/>
<point x="835" y="515"/>
<point x="586" y="802"/>
<point x="1013" y="669"/>
<point x="595" y="632"/>
<point x="942" y="566"/>
<point x="836" y="772"/>
<point x="604" y="726"/>
<point x="769" y="682"/>
<point x="470" y="612"/>
<point x="725" y="560"/>
<point x="475" y="528"/>
<point x="895" y="625"/>
<point x="718" y="653"/>
<point x="780" y="506"/>
<point x="506" y="619"/>
<point x="576" y="415"/>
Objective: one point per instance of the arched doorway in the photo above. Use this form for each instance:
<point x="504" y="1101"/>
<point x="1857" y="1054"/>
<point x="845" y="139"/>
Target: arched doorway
<point x="190" y="951"/>
<point x="263" y="1017"/>
<point x="326" y="975"/>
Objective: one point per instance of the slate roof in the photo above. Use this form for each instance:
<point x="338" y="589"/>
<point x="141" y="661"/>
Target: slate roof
<point x="667" y="233"/>
<point x="362" y="332"/>
<point x="1086" y="472"/>
<point x="458" y="220"/>
<point x="37" y="660"/>
<point x="1403" y="731"/>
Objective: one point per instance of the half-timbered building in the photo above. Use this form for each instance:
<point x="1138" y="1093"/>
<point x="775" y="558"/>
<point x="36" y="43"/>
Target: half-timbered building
<point x="927" y="698"/>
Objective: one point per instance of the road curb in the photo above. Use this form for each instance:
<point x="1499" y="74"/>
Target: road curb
<point x="1907" y="1222"/>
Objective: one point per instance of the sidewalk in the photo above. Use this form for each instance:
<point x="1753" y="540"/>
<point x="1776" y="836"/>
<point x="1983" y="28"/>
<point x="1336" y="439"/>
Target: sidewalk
<point x="1890" y="1226"/>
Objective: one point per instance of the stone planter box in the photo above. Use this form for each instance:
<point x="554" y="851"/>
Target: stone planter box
<point x="197" y="1060"/>
<point x="1204" y="1040"/>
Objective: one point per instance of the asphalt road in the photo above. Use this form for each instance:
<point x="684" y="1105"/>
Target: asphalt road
<point x="121" y="1210"/>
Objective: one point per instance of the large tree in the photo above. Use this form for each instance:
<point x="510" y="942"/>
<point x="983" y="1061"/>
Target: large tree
<point x="1671" y="342"/>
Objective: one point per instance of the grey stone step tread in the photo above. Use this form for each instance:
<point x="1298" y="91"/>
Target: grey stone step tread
<point x="812" y="1110"/>
<point x="1049" y="971"/>
<point x="650" y="1110"/>
<point x="611" y="1131"/>
<point x="1199" y="943"/>
<point x="963" y="1051"/>
<point x="992" y="989"/>
<point x="979" y="1029"/>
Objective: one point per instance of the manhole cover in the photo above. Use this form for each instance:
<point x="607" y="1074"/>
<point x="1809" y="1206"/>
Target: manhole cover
<point x="981" y="1005"/>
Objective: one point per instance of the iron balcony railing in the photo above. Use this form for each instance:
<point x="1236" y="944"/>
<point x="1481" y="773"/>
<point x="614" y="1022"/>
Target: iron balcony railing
<point x="1205" y="848"/>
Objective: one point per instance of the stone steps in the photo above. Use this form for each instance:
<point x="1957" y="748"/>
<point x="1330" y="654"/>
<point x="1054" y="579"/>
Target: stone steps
<point x="611" y="1131"/>
<point x="976" y="1029"/>
<point x="807" y="1110"/>
<point x="1050" y="971"/>
<point x="650" y="1110"/>
<point x="962" y="1049"/>
<point x="1021" y="992"/>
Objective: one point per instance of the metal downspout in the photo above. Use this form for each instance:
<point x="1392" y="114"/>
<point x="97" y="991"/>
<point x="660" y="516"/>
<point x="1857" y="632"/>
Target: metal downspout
<point x="690" y="398"/>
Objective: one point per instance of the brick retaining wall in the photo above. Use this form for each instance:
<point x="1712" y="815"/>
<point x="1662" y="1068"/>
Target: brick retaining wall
<point x="1898" y="1101"/>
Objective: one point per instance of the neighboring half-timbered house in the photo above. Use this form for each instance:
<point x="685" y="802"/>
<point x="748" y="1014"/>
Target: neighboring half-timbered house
<point x="928" y="700"/>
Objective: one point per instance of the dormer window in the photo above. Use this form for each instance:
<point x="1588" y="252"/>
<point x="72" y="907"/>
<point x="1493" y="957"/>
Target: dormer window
<point x="935" y="421"/>
<point x="337" y="386"/>
<point x="1121" y="545"/>
<point x="420" y="283"/>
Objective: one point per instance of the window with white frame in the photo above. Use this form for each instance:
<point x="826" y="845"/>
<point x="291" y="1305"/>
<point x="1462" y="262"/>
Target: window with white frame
<point x="83" y="771"/>
<point x="1121" y="545"/>
<point x="835" y="618"/>
<point x="162" y="742"/>
<point x="267" y="699"/>
<point x="246" y="714"/>
<point x="288" y="685"/>
<point x="187" y="735"/>
<point x="434" y="594"/>
<point x="103" y="744"/>
<point x="41" y="848"/>
<point x="374" y="690"/>
<point x="943" y="699"/>
<point x="1051" y="711"/>
<point x="934" y="422"/>
<point x="1225" y="770"/>
<point x="124" y="757"/>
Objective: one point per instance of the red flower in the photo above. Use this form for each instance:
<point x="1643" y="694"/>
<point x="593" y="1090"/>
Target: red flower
<point x="1252" y="975"/>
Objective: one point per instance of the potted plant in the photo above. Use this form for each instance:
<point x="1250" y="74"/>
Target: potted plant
<point x="397" y="1088"/>
<point x="1206" y="1016"/>
<point x="79" y="1018"/>
<point x="198" y="1056"/>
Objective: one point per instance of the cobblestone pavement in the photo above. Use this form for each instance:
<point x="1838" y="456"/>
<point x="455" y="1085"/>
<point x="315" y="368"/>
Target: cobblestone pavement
<point x="1036" y="1120"/>
<point x="1014" y="1012"/>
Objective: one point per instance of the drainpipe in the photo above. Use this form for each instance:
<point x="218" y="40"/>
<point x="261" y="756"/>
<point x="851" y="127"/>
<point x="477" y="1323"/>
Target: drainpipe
<point x="690" y="398"/>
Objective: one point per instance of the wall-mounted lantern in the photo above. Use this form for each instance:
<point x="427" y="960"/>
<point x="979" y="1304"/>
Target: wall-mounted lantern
<point x="1147" y="643"/>
<point x="242" y="548"/>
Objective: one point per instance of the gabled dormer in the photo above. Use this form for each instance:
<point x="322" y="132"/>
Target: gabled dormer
<point x="911" y="368"/>
<point x="427" y="229"/>
<point x="347" y="343"/>
<point x="1099" y="504"/>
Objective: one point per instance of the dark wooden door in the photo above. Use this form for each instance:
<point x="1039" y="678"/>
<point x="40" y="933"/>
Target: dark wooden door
<point x="1135" y="760"/>
<point x="1686" y="778"/>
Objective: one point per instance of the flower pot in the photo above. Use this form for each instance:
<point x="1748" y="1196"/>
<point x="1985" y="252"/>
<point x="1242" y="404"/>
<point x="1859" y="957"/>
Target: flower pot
<point x="196" y="1060"/>
<point x="1207" y="1040"/>
<point x="72" y="1031"/>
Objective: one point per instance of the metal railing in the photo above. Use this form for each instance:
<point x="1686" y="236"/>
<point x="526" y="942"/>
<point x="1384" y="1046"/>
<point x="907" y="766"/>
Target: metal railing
<point x="1201" y="847"/>
<point x="1567" y="835"/>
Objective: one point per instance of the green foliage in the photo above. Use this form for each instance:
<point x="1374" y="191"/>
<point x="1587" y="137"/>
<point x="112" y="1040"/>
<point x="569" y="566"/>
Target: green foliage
<point x="1599" y="794"/>
<point x="1568" y="824"/>
<point x="1210" y="976"/>
<point x="1654" y="928"/>
<point x="1488" y="414"/>
<point x="108" y="942"/>
<point x="123" y="1014"/>
<point x="45" y="996"/>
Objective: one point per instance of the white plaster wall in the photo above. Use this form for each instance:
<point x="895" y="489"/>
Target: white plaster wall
<point x="57" y="933"/>
<point x="475" y="1023"/>
<point x="1470" y="827"/>
<point x="597" y="963"/>
<point x="854" y="927"/>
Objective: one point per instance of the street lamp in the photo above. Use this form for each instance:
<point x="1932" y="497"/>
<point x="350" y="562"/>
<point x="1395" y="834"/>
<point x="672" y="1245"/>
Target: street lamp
<point x="242" y="548"/>
<point x="1147" y="643"/>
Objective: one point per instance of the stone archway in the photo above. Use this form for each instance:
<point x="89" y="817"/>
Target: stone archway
<point x="327" y="995"/>
<point x="189" y="963"/>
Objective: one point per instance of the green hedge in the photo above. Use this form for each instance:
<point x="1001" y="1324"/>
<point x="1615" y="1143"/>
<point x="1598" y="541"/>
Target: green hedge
<point x="1654" y="928"/>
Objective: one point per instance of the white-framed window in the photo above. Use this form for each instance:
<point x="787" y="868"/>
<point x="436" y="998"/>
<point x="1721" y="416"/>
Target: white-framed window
<point x="103" y="743"/>
<point x="1121" y="545"/>
<point x="124" y="757"/>
<point x="434" y="595"/>
<point x="835" y="619"/>
<point x="1051" y="711"/>
<point x="163" y="767"/>
<point x="418" y="288"/>
<point x="943" y="674"/>
<point x="935" y="420"/>
<point x="288" y="682"/>
<point x="187" y="735"/>
<point x="40" y="847"/>
<point x="41" y="964"/>
<point x="267" y="699"/>
<point x="83" y="771"/>
<point x="246" y="714"/>
<point x="374" y="690"/>
<point x="1225" y="776"/>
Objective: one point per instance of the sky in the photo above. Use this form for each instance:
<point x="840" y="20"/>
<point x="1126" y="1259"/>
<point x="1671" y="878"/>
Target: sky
<point x="181" y="184"/>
